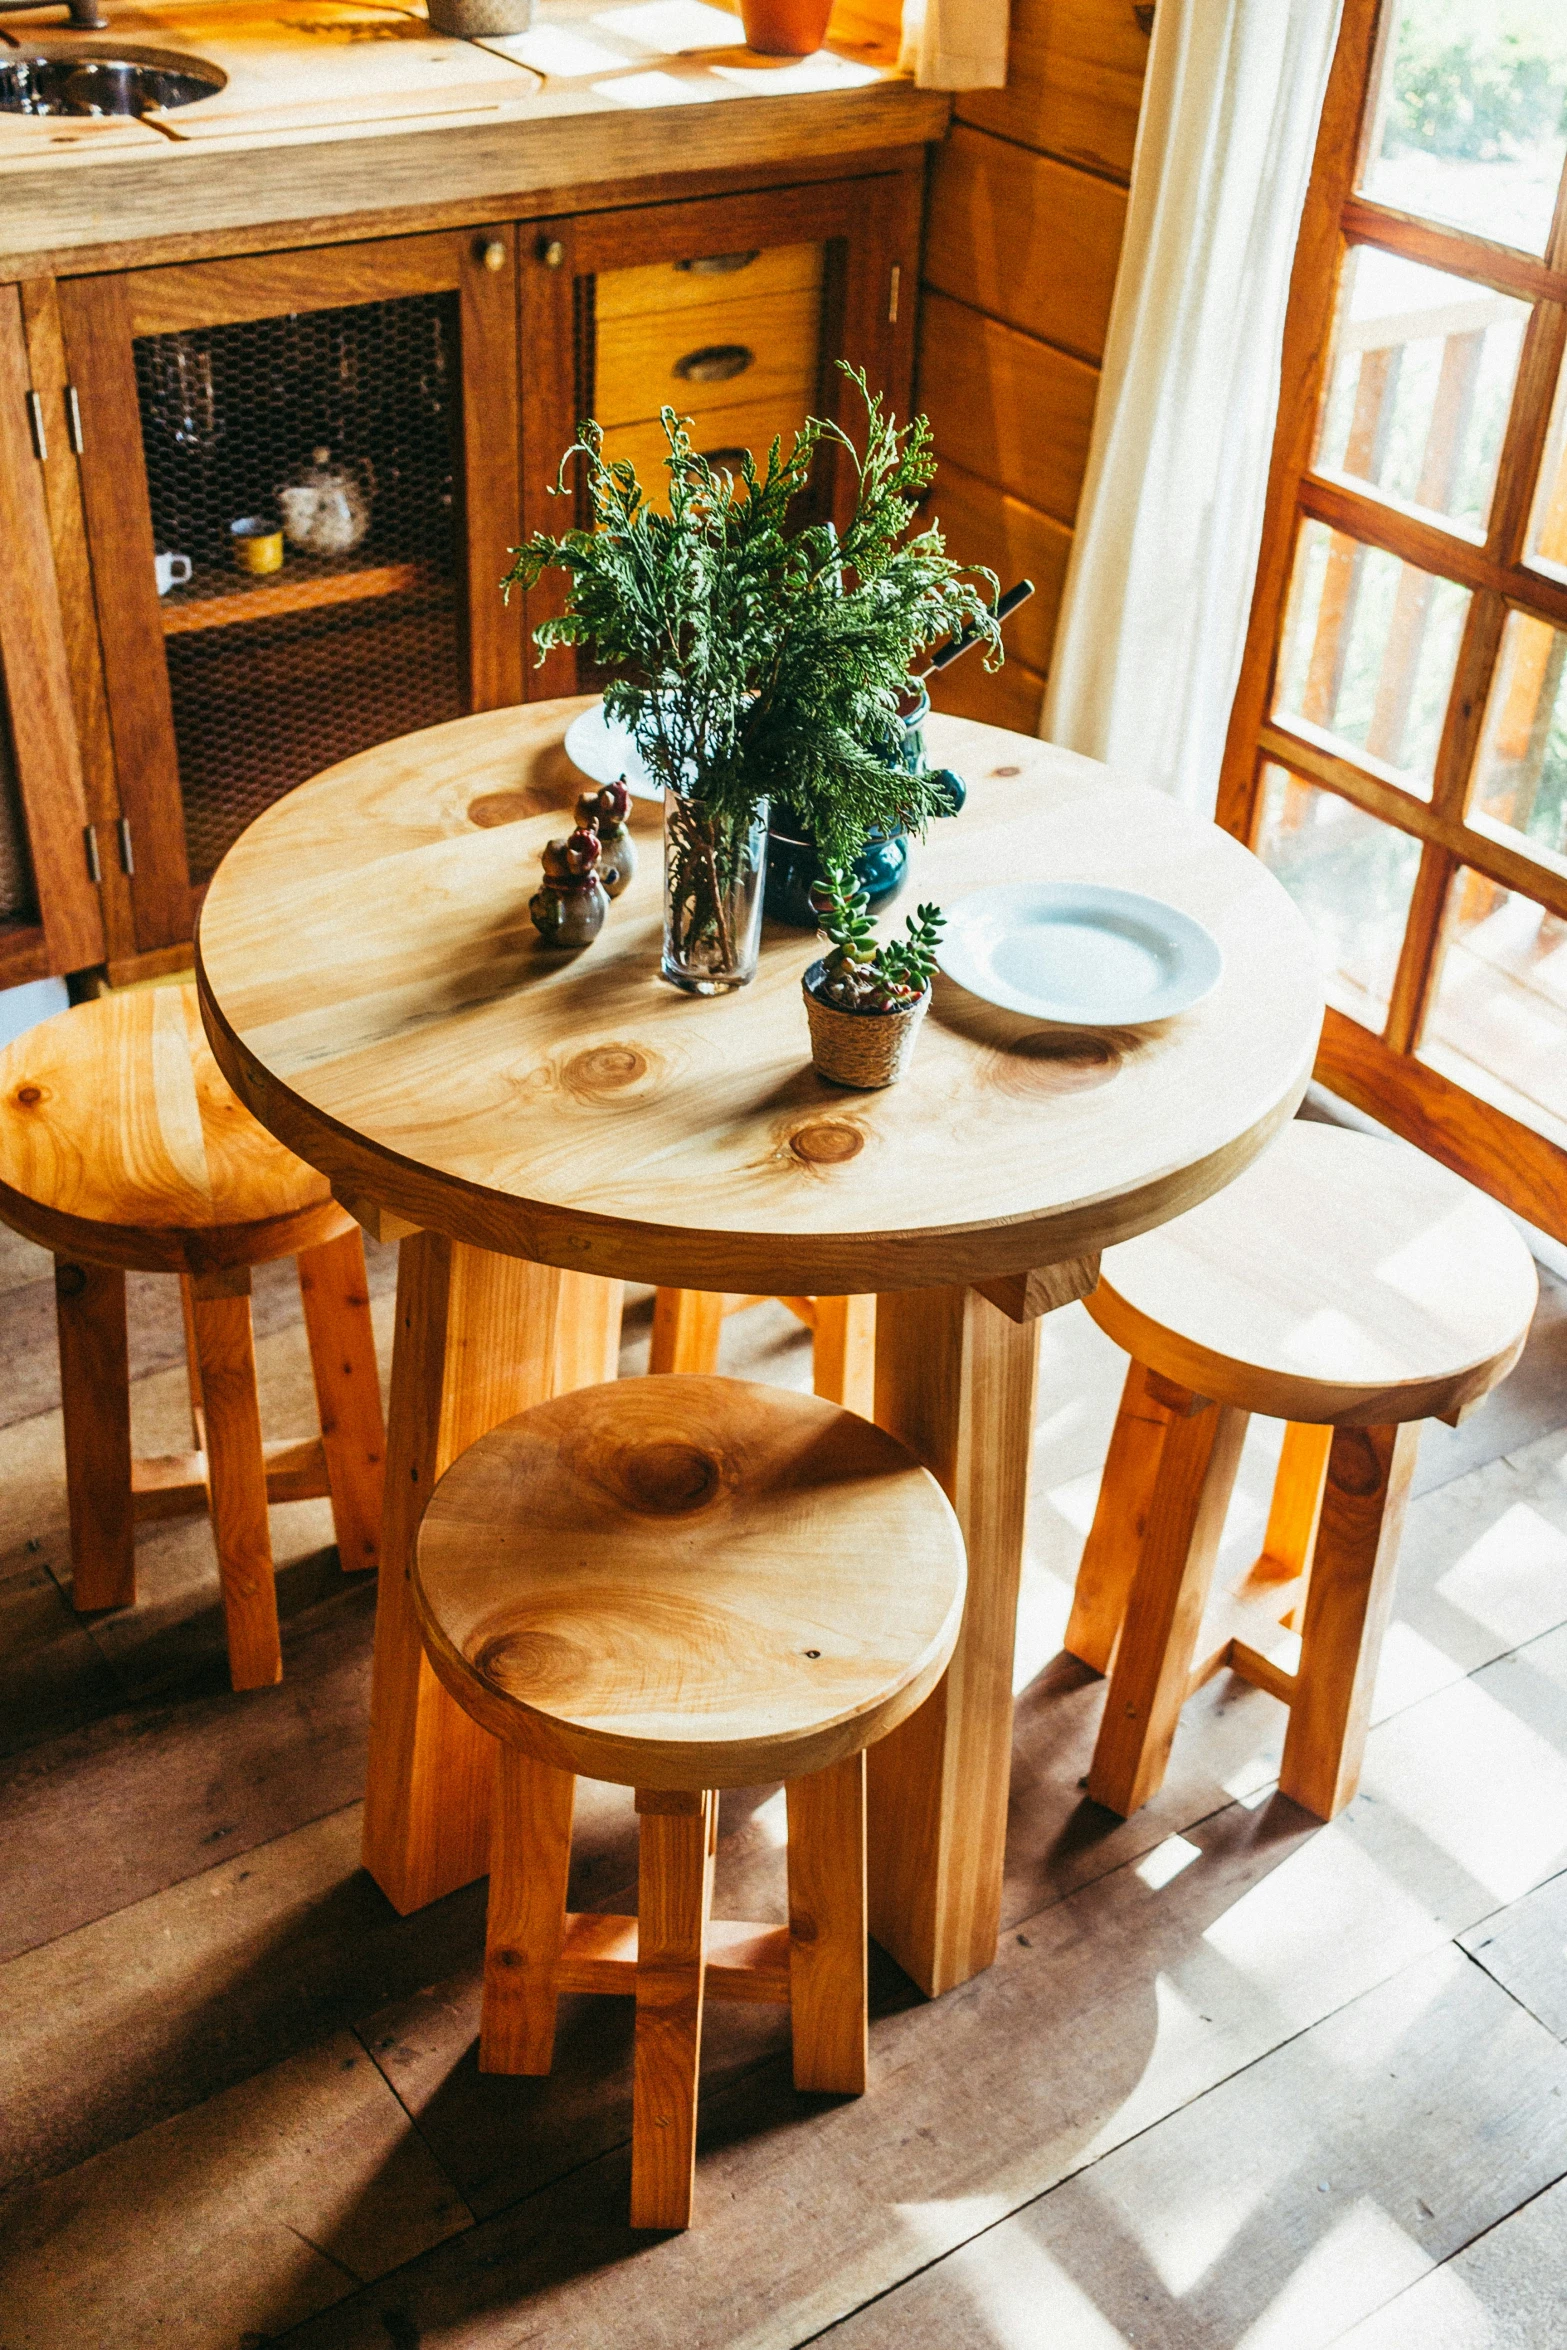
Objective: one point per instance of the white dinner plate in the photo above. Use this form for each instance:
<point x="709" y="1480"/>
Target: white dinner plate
<point x="606" y="752"/>
<point x="1081" y="952"/>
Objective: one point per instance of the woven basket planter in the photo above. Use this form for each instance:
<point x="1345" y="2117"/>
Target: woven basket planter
<point x="859" y="1049"/>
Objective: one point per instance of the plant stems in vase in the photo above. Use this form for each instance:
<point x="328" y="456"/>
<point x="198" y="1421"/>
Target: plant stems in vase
<point x="714" y="861"/>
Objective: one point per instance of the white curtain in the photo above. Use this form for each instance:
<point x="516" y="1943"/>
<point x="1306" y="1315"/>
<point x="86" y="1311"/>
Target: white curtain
<point x="1159" y="586"/>
<point x="955" y="44"/>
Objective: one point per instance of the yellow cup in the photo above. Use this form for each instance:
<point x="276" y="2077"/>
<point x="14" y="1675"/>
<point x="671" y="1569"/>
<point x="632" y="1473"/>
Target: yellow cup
<point x="258" y="544"/>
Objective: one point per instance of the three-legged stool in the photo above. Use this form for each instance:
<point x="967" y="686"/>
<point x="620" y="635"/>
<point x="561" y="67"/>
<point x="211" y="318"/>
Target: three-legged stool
<point x="1351" y="1288"/>
<point x="679" y="1584"/>
<point x="122" y="1148"/>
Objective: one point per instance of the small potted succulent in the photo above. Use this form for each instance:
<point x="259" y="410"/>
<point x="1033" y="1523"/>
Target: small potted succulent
<point x="865" y="1001"/>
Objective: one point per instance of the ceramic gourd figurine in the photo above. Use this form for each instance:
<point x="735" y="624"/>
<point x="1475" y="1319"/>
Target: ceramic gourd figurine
<point x="569" y="906"/>
<point x="605" y="811"/>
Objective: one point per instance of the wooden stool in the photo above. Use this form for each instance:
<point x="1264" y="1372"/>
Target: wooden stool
<point x="682" y="1584"/>
<point x="122" y="1147"/>
<point x="1351" y="1288"/>
<point x="688" y="1324"/>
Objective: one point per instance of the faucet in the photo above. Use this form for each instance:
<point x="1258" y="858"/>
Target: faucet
<point x="86" y="16"/>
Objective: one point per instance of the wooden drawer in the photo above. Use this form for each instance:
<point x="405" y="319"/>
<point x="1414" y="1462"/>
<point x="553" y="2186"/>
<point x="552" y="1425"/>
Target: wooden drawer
<point x="720" y="435"/>
<point x="706" y="281"/>
<point x="760" y="348"/>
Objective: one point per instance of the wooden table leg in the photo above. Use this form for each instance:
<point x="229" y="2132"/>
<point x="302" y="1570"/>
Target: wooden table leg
<point x="1348" y="1598"/>
<point x="674" y="1902"/>
<point x="955" y="1380"/>
<point x="845" y="1352"/>
<point x="827" y="1957"/>
<point x="336" y="1297"/>
<point x="95" y="1390"/>
<point x="479" y="1337"/>
<point x="687" y="1327"/>
<point x="237" y="1474"/>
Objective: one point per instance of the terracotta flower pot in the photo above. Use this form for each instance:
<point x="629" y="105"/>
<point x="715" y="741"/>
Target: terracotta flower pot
<point x="862" y="1049"/>
<point x="785" y="28"/>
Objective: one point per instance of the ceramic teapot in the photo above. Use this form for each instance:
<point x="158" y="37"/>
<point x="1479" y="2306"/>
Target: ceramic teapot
<point x="327" y="510"/>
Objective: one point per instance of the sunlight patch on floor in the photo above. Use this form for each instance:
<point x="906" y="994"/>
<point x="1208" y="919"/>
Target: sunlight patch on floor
<point x="1364" y="2259"/>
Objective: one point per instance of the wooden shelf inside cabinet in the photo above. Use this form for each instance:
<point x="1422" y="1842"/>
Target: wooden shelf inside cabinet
<point x="223" y="599"/>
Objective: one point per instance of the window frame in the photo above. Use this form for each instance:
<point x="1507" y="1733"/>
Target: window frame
<point x="1380" y="1074"/>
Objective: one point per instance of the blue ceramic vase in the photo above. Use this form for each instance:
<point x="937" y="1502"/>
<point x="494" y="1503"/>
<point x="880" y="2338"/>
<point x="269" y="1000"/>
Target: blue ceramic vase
<point x="793" y="861"/>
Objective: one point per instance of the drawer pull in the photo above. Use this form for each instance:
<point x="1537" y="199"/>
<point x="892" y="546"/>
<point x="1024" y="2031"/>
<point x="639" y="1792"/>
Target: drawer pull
<point x="715" y="363"/>
<point x="719" y="264"/>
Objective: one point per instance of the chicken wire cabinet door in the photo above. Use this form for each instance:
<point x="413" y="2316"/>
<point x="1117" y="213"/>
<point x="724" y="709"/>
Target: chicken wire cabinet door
<point x="300" y="478"/>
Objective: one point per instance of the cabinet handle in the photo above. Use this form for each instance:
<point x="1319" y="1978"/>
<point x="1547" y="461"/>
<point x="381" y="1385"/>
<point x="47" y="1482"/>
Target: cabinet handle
<point x="892" y="295"/>
<point x="551" y="252"/>
<point x="35" y="417"/>
<point x="94" y="862"/>
<point x="715" y="363"/>
<point x="493" y="252"/>
<point x="719" y="264"/>
<point x="127" y="854"/>
<point x="73" y="418"/>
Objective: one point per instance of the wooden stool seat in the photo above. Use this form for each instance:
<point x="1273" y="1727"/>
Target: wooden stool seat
<point x="1351" y="1288"/>
<point x="678" y="1584"/>
<point x="122" y="1149"/>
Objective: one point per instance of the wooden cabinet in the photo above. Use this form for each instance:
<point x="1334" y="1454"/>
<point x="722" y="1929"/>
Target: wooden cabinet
<point x="402" y="404"/>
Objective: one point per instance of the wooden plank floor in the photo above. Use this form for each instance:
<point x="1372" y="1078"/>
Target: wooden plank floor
<point x="1235" y="2079"/>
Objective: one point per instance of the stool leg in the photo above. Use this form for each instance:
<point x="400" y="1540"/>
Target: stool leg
<point x="674" y="1900"/>
<point x="1109" y="1561"/>
<point x="1296" y="1504"/>
<point x="95" y="1395"/>
<point x="687" y="1326"/>
<point x="827" y="1953"/>
<point x="237" y="1476"/>
<point x="1348" y="1597"/>
<point x="530" y="1859"/>
<point x="1153" y="1663"/>
<point x="845" y="1353"/>
<point x="336" y="1296"/>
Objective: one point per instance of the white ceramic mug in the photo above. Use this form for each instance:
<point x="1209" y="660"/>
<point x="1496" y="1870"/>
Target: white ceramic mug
<point x="171" y="571"/>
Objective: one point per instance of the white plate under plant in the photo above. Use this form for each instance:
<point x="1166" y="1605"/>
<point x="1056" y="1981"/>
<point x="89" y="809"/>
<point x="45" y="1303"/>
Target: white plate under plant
<point x="1081" y="952"/>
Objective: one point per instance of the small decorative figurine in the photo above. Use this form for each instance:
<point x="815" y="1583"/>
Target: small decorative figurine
<point x="569" y="906"/>
<point x="605" y="811"/>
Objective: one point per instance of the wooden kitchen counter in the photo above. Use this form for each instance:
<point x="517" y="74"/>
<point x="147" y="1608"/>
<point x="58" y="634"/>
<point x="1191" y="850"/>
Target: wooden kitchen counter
<point x="348" y="115"/>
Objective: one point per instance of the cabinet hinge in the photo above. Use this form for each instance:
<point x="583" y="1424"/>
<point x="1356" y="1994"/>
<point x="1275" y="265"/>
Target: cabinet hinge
<point x="127" y="854"/>
<point x="35" y="417"/>
<point x="892" y="295"/>
<point x="94" y="864"/>
<point x="73" y="418"/>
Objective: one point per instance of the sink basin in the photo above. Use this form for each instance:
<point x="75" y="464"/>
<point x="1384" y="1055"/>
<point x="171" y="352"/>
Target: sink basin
<point x="79" y="78"/>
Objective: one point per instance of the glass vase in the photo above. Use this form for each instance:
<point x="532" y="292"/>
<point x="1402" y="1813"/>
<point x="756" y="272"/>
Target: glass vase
<point x="713" y="870"/>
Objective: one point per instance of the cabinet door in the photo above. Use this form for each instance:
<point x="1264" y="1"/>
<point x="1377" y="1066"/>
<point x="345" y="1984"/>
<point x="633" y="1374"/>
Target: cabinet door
<point x="733" y="310"/>
<point x="363" y="396"/>
<point x="49" y="915"/>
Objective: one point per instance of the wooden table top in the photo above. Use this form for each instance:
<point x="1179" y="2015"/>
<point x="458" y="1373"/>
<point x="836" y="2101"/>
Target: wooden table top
<point x="375" y="992"/>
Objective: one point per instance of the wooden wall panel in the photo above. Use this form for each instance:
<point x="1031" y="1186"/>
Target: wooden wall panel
<point x="1002" y="406"/>
<point x="1009" y="697"/>
<point x="1025" y="238"/>
<point x="1074" y="82"/>
<point x="983" y="525"/>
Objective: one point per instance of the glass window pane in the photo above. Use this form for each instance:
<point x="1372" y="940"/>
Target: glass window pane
<point x="1351" y="877"/>
<point x="1545" y="548"/>
<point x="1369" y="649"/>
<point x="1469" y="124"/>
<point x="1420" y="384"/>
<point x="1521" y="775"/>
<point x="1498" y="1024"/>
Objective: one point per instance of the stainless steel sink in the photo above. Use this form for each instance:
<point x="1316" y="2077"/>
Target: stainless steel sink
<point x="101" y="77"/>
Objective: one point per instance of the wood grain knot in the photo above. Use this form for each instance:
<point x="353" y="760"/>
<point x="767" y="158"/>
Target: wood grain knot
<point x="1058" y="1060"/>
<point x="669" y="1480"/>
<point x="494" y="808"/>
<point x="604" y="1069"/>
<point x="27" y="1097"/>
<point x="827" y="1142"/>
<point x="1006" y="771"/>
<point x="1352" y="1464"/>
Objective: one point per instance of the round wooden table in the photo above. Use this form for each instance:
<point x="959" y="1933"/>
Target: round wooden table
<point x="538" y="1127"/>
